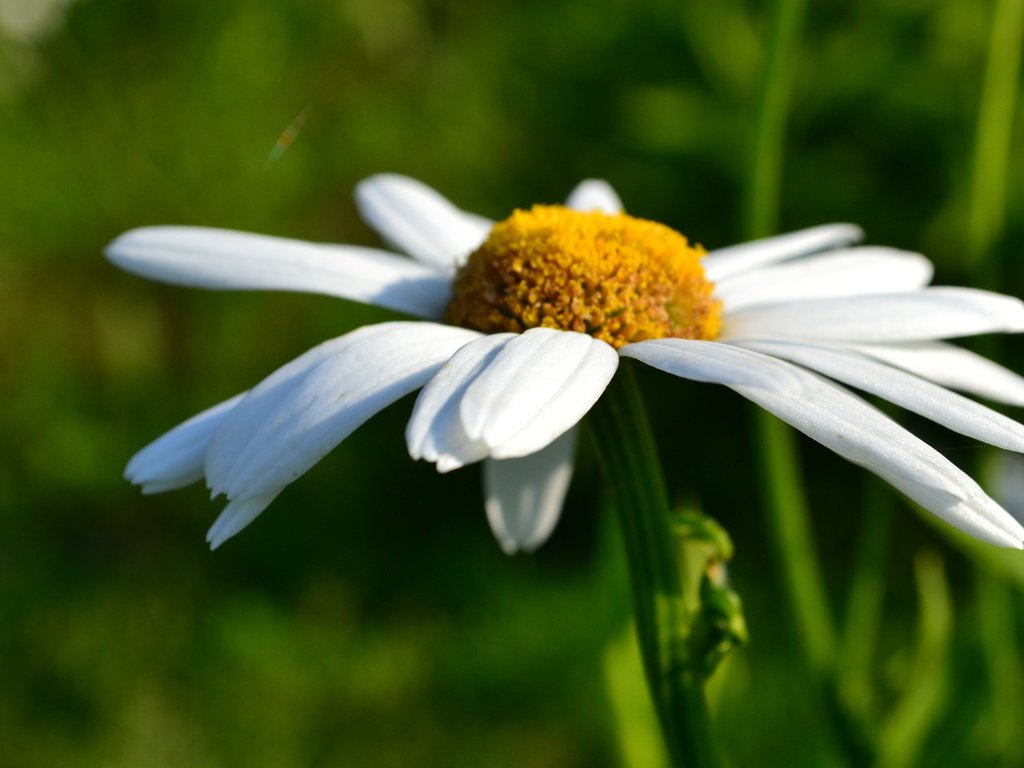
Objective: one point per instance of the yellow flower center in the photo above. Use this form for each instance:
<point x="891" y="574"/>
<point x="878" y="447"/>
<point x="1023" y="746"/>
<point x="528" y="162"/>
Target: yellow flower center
<point x="617" y="278"/>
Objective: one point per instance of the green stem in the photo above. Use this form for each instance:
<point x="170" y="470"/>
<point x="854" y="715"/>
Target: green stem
<point x="630" y="461"/>
<point x="782" y="484"/>
<point x="926" y="695"/>
<point x="783" y="487"/>
<point x="998" y="633"/>
<point x="761" y="201"/>
<point x="867" y="595"/>
<point x="985" y="223"/>
<point x="801" y="569"/>
<point x="987" y="201"/>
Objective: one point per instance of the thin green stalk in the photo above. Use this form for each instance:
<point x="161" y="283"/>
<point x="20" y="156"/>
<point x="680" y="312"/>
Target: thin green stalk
<point x="675" y="678"/>
<point x="987" y="201"/>
<point x="801" y="570"/>
<point x="782" y="483"/>
<point x="985" y="224"/>
<point x="926" y="693"/>
<point x="867" y="593"/>
<point x="761" y="201"/>
<point x="783" y="486"/>
<point x="1000" y="640"/>
<point x="636" y="723"/>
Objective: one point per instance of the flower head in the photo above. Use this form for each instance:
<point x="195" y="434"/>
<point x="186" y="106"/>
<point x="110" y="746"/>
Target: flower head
<point x="525" y="322"/>
<point x="611" y="276"/>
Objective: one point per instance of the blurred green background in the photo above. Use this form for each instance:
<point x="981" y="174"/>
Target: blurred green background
<point x="368" y="618"/>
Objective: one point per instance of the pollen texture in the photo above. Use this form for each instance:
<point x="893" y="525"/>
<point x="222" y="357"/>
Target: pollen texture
<point x="615" y="277"/>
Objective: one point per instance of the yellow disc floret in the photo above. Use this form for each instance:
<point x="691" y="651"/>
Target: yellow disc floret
<point x="617" y="278"/>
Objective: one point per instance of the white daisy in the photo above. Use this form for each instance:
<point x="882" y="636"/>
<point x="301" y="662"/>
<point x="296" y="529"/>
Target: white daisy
<point x="524" y="323"/>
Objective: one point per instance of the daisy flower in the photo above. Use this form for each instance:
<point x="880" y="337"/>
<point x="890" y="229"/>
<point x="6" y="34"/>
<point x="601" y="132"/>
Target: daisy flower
<point x="524" y="322"/>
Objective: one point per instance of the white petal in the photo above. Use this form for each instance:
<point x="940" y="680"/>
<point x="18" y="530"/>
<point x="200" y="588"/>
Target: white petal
<point x="952" y="367"/>
<point x="415" y="219"/>
<point x="594" y="195"/>
<point x="847" y="272"/>
<point x="932" y="313"/>
<point x="176" y="458"/>
<point x="846" y="424"/>
<point x="704" y="361"/>
<point x="540" y="384"/>
<point x="236" y="516"/>
<point x="219" y="258"/>
<point x="523" y="497"/>
<point x="261" y="403"/>
<point x="291" y="420"/>
<point x="911" y="392"/>
<point x="435" y="430"/>
<point x="725" y="262"/>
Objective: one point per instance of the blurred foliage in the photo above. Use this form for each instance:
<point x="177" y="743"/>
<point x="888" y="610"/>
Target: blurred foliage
<point x="364" y="621"/>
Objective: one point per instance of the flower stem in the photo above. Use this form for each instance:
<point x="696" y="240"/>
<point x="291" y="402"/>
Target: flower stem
<point x="865" y="600"/>
<point x="986" y="221"/>
<point x="987" y="200"/>
<point x="761" y="200"/>
<point x="999" y="641"/>
<point x="802" y="576"/>
<point x="781" y="477"/>
<point x="675" y="676"/>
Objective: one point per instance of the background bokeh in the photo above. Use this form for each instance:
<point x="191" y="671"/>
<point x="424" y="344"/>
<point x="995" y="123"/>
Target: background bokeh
<point x="368" y="618"/>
